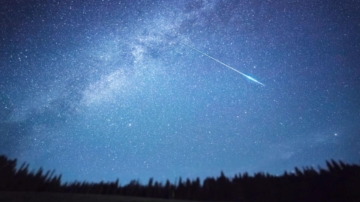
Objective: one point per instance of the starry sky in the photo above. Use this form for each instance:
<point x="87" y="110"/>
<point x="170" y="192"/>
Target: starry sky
<point x="106" y="89"/>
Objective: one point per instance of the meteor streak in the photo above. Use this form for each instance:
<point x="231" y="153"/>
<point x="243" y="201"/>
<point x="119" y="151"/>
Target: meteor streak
<point x="216" y="60"/>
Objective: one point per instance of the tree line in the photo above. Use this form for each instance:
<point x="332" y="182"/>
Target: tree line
<point x="339" y="182"/>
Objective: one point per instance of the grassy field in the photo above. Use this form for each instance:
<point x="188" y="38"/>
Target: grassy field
<point x="57" y="197"/>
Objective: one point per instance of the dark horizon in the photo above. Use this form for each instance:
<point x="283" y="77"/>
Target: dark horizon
<point x="174" y="181"/>
<point x="339" y="182"/>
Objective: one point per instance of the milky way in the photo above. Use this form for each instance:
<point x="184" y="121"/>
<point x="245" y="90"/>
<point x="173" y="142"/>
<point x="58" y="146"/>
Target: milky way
<point x="100" y="90"/>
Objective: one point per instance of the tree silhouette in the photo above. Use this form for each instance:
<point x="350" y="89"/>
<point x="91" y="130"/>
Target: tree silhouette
<point x="339" y="182"/>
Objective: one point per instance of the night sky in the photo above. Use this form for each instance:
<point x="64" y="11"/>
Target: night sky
<point x="107" y="89"/>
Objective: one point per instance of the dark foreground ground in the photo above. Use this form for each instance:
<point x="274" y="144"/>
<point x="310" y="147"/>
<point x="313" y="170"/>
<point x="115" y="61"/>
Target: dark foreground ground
<point x="58" y="197"/>
<point x="339" y="182"/>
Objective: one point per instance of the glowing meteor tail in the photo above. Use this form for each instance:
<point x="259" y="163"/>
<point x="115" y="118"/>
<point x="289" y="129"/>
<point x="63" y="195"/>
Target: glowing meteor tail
<point x="216" y="60"/>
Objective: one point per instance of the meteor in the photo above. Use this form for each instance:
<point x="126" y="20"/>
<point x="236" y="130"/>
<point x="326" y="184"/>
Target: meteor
<point x="216" y="60"/>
